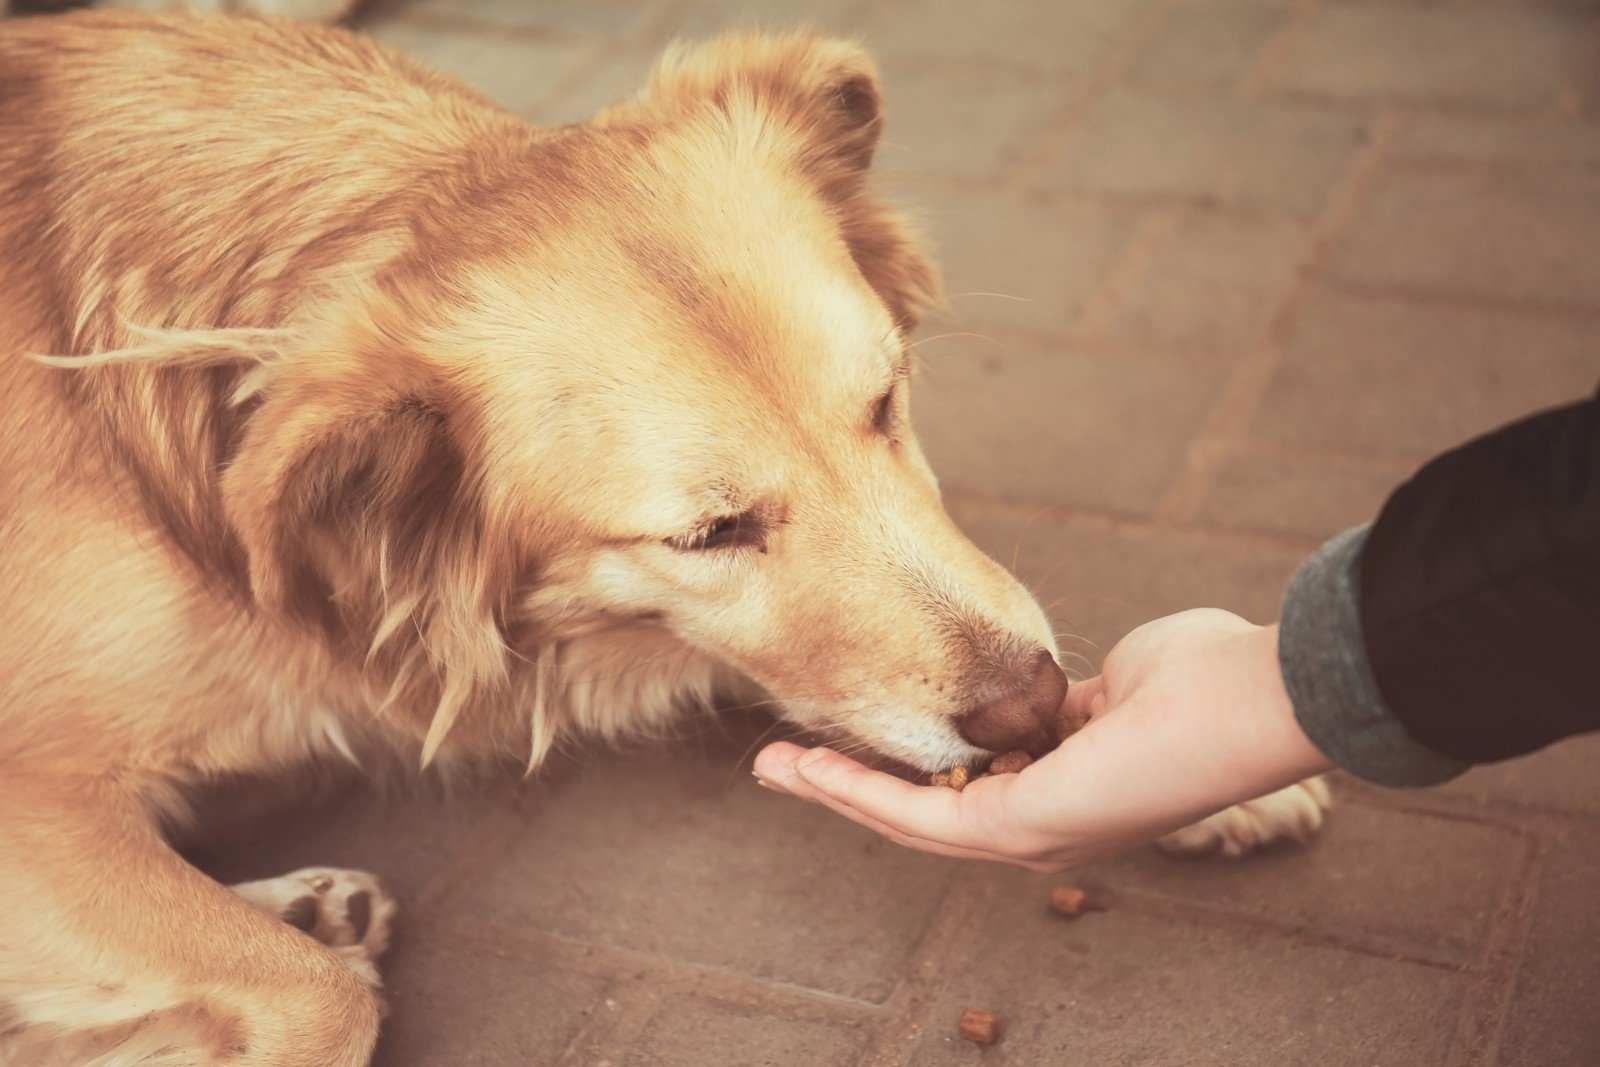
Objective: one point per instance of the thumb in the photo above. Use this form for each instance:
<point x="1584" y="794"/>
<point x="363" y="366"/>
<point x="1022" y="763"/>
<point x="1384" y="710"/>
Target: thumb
<point x="1084" y="701"/>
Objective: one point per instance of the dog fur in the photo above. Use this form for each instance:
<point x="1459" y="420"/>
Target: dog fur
<point x="348" y="417"/>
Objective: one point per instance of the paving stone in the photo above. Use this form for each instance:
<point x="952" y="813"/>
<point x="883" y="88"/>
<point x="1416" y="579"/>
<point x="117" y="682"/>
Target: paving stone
<point x="686" y="1032"/>
<point x="1400" y="378"/>
<point x="1552" y="1015"/>
<point x="678" y="852"/>
<point x="405" y="836"/>
<point x="457" y="1004"/>
<point x="1387" y="880"/>
<point x="960" y="124"/>
<point x="1215" y="285"/>
<point x="1100" y="583"/>
<point x="1309" y="496"/>
<point x="1508" y="55"/>
<point x="1531" y="236"/>
<point x="610" y="18"/>
<point x="620" y="76"/>
<point x="1020" y="423"/>
<point x="1053" y="38"/>
<point x="1115" y="988"/>
<point x="1267" y="157"/>
<point x="705" y="19"/>
<point x="519" y="75"/>
<point x="1522" y="142"/>
<point x="1207" y="46"/>
<point x="1013" y="263"/>
<point x="1559" y="778"/>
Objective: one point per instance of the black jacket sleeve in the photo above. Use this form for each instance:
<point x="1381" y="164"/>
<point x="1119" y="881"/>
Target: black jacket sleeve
<point x="1479" y="591"/>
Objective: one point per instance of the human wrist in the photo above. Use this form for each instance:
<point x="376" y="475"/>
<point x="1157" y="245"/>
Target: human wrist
<point x="1280" y="752"/>
<point x="1245" y="739"/>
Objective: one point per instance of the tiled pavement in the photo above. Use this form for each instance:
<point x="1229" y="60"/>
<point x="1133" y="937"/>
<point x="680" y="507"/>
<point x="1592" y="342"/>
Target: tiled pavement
<point x="1256" y="260"/>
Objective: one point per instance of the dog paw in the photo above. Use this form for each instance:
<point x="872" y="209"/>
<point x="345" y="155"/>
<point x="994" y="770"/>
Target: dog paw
<point x="1292" y="814"/>
<point x="346" y="910"/>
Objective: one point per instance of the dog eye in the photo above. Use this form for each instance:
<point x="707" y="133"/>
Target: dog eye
<point x="730" y="531"/>
<point x="883" y="412"/>
<point x="883" y="409"/>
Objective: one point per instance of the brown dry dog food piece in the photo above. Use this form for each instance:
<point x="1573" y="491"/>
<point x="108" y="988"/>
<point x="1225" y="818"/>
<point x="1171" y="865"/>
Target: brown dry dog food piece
<point x="1069" y="900"/>
<point x="1010" y="762"/>
<point x="982" y="1027"/>
<point x="956" y="778"/>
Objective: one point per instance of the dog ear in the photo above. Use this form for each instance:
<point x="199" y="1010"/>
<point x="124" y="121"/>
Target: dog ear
<point x="822" y="89"/>
<point x="824" y="94"/>
<point x="360" y="513"/>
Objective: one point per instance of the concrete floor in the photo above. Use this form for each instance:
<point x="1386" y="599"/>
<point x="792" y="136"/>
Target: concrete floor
<point x="1269" y="256"/>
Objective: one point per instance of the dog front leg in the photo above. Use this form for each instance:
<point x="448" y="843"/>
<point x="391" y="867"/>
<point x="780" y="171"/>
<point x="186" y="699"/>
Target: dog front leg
<point x="110" y="942"/>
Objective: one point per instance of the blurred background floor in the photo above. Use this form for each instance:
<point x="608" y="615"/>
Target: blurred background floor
<point x="1254" y="260"/>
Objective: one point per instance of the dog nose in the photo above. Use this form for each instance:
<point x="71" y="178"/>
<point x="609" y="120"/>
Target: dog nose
<point x="1022" y="710"/>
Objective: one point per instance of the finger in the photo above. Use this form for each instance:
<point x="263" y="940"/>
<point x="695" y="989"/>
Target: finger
<point x="920" y="817"/>
<point x="917" y="810"/>
<point x="1084" y="701"/>
<point x="775" y="763"/>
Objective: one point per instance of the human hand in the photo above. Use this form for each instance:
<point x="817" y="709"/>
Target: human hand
<point x="1188" y="716"/>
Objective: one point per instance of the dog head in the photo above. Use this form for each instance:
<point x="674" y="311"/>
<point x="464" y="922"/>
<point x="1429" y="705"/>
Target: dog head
<point x="652" y="371"/>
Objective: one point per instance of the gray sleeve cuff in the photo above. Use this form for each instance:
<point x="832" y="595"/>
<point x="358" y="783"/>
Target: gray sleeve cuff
<point x="1323" y="655"/>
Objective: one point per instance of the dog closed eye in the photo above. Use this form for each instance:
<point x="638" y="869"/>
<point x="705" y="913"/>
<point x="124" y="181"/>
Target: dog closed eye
<point x="743" y="530"/>
<point x="883" y="409"/>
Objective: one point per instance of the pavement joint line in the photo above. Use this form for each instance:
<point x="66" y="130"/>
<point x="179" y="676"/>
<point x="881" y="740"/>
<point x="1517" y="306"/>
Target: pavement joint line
<point x="1395" y="101"/>
<point x="466" y="25"/>
<point x="1462" y="299"/>
<point x="615" y="1024"/>
<point x="1540" y="820"/>
<point x="1274" y="52"/>
<point x="1138" y="257"/>
<point x="1171" y="909"/>
<point x="1401" y="465"/>
<point x="1487" y="1002"/>
<point x="1241" y="398"/>
<point x="669" y="974"/>
<point x="999" y="70"/>
<point x="1572" y="100"/>
<point x="578" y="76"/>
<point x="1045" y="344"/>
<point x="1520" y="165"/>
<point x="908" y="185"/>
<point x="469" y="859"/>
<point x="1007" y="338"/>
<point x="509" y="29"/>
<point x="1104" y="75"/>
<point x="946" y="938"/>
<point x="1130" y="526"/>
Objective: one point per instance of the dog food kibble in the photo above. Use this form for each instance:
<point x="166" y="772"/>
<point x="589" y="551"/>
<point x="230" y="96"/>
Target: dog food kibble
<point x="940" y="778"/>
<point x="979" y="1026"/>
<point x="1010" y="762"/>
<point x="1069" y="900"/>
<point x="959" y="776"/>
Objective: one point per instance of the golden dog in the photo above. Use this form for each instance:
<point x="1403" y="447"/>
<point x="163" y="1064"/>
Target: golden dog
<point x="345" y="414"/>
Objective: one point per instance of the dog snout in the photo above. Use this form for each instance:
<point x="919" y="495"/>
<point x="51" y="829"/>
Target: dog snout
<point x="1020" y="709"/>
